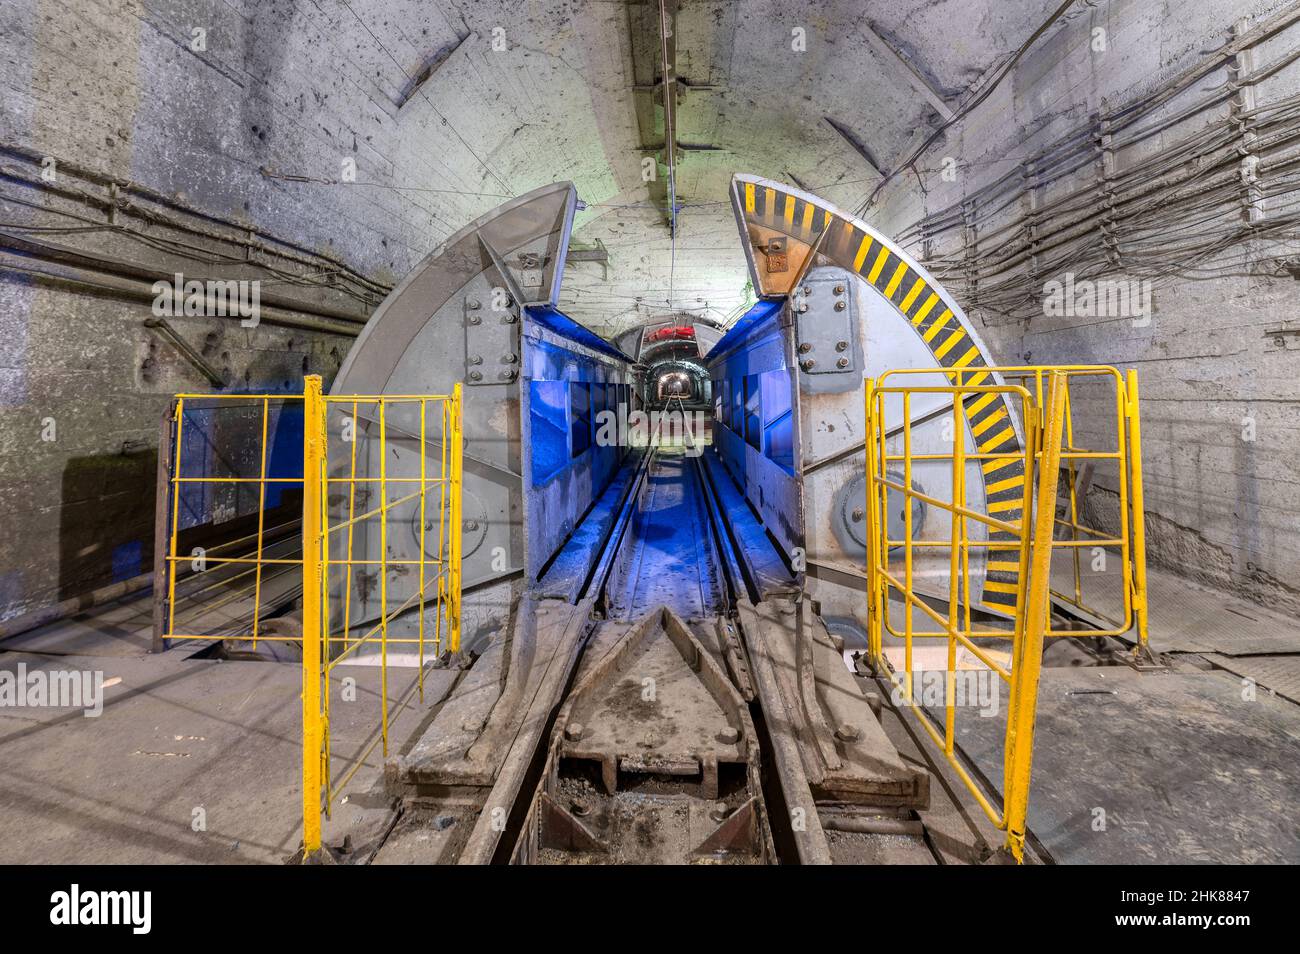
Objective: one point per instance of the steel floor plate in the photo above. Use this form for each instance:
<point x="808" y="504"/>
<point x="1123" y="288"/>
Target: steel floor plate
<point x="1279" y="674"/>
<point x="1134" y="768"/>
<point x="1186" y="617"/>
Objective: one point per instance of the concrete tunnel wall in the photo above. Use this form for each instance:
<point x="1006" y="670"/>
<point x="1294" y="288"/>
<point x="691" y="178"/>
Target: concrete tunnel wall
<point x="113" y="88"/>
<point x="1220" y="431"/>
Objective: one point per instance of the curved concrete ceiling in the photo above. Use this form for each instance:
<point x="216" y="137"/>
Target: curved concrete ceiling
<point x="451" y="107"/>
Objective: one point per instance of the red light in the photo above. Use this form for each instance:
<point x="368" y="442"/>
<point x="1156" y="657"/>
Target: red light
<point x="672" y="333"/>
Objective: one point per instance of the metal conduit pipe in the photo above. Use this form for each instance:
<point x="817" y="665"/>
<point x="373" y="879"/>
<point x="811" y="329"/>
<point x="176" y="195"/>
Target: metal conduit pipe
<point x="49" y="251"/>
<point x="1147" y="201"/>
<point x="138" y="290"/>
<point x="1082" y="141"/>
<point x="1086" y="195"/>
<point x="304" y="255"/>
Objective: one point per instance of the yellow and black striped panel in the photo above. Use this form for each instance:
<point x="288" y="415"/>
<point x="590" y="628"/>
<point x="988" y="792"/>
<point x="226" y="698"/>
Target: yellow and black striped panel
<point x="916" y="296"/>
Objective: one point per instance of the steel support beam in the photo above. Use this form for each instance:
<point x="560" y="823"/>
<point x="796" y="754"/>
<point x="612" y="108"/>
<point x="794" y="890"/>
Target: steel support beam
<point x="906" y="72"/>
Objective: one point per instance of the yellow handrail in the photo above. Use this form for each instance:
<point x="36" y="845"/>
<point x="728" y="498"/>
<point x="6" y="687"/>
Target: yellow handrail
<point x="326" y="642"/>
<point x="1049" y="444"/>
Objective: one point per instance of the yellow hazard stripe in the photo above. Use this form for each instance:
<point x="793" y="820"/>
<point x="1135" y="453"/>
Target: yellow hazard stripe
<point x="917" y="287"/>
<point x="1002" y="566"/>
<point x="989" y="421"/>
<point x="998" y="587"/>
<point x="998" y="438"/>
<point x="896" y="280"/>
<point x="878" y="265"/>
<point x="981" y="404"/>
<point x="1001" y="485"/>
<point x="966" y="359"/>
<point x="937" y="326"/>
<point x="925" y="309"/>
<point x="950" y="343"/>
<point x="808" y="210"/>
<point x="749" y="197"/>
<point x="1002" y="506"/>
<point x="862" y="253"/>
<point x="789" y="210"/>
<point x="998" y="463"/>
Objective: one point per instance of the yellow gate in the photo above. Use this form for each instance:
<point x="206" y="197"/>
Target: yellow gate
<point x="377" y="574"/>
<point x="1026" y="543"/>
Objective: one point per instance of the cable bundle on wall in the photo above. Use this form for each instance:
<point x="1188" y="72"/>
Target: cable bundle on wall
<point x="1188" y="209"/>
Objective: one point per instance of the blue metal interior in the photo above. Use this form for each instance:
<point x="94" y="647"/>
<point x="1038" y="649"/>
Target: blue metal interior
<point x="562" y="324"/>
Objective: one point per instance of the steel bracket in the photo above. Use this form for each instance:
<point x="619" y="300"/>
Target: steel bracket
<point x="492" y="341"/>
<point x="827" y="325"/>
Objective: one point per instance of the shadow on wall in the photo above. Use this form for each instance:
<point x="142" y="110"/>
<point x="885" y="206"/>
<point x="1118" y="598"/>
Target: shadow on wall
<point x="106" y="521"/>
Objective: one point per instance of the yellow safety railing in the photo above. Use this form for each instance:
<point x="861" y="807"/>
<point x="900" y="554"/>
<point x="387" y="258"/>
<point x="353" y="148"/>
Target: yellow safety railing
<point x="219" y="591"/>
<point x="416" y="591"/>
<point x="377" y="574"/>
<point x="1028" y="541"/>
<point x="1111" y="449"/>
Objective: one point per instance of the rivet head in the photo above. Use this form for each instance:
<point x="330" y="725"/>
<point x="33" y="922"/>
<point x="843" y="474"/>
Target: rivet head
<point x="842" y="363"/>
<point x="840" y="306"/>
<point x="573" y="731"/>
<point x="847" y="733"/>
<point x="841" y="346"/>
<point x="807" y="364"/>
<point x="805" y="348"/>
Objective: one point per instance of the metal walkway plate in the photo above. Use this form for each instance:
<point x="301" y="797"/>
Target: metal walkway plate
<point x="1279" y="674"/>
<point x="1187" y="617"/>
<point x="1133" y="768"/>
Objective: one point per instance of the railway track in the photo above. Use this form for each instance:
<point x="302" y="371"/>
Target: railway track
<point x="653" y="718"/>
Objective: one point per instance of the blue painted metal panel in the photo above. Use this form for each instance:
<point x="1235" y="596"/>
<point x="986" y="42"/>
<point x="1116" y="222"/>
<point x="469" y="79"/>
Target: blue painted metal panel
<point x="562" y="324"/>
<point x="762" y="311"/>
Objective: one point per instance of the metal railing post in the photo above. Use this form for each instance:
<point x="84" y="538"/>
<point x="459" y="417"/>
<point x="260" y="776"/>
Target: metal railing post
<point x="457" y="449"/>
<point x="1028" y="652"/>
<point x="1139" y="581"/>
<point x="312" y="460"/>
<point x="875" y="636"/>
